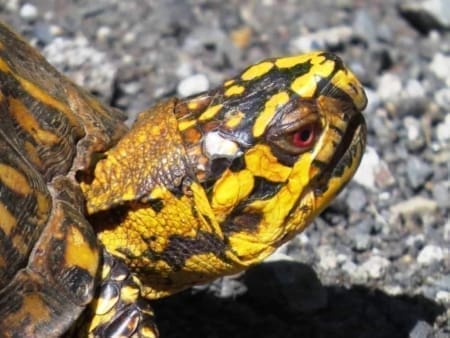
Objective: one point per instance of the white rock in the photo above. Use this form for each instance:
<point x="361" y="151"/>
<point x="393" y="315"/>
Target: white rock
<point x="373" y="172"/>
<point x="389" y="87"/>
<point x="327" y="257"/>
<point x="430" y="254"/>
<point x="440" y="66"/>
<point x="29" y="12"/>
<point x="414" y="205"/>
<point x="193" y="84"/>
<point x="103" y="33"/>
<point x="443" y="297"/>
<point x="376" y="266"/>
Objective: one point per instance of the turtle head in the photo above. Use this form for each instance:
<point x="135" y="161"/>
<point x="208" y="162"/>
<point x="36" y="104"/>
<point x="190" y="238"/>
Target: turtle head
<point x="274" y="146"/>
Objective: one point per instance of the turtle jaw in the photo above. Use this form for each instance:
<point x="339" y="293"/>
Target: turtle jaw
<point x="343" y="164"/>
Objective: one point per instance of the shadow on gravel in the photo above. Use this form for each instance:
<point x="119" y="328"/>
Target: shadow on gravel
<point x="266" y="310"/>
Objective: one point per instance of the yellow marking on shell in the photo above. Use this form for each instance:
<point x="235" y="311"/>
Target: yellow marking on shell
<point x="33" y="154"/>
<point x="7" y="220"/>
<point x="348" y="82"/>
<point x="230" y="189"/>
<point x="210" y="112"/>
<point x="4" y="66"/>
<point x="2" y="97"/>
<point x="257" y="70"/>
<point x="229" y="82"/>
<point x="261" y="162"/>
<point x="40" y="95"/>
<point x="292" y="61"/>
<point x="14" y="180"/>
<point x="30" y="124"/>
<point x="78" y="252"/>
<point x="183" y="125"/>
<point x="234" y="90"/>
<point x="270" y="108"/>
<point x="233" y="120"/>
<point x="306" y="85"/>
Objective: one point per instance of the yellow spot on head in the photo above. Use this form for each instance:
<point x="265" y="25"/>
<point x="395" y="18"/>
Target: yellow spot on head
<point x="261" y="162"/>
<point x="210" y="112"/>
<point x="229" y="82"/>
<point x="183" y="125"/>
<point x="234" y="119"/>
<point x="257" y="70"/>
<point x="268" y="113"/>
<point x="193" y="105"/>
<point x="292" y="61"/>
<point x="348" y="82"/>
<point x="306" y="84"/>
<point x="235" y="90"/>
<point x="229" y="190"/>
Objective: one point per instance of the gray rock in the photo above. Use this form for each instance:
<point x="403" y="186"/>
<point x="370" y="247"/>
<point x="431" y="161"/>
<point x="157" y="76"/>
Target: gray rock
<point x="356" y="199"/>
<point x="442" y="98"/>
<point x="421" y="330"/>
<point x="441" y="193"/>
<point x="443" y="131"/>
<point x="418" y="172"/>
<point x="361" y="242"/>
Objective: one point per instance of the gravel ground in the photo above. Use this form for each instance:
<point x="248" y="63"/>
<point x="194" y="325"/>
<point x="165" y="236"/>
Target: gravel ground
<point x="374" y="264"/>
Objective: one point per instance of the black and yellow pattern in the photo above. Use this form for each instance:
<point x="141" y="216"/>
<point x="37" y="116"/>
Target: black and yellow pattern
<point x="95" y="218"/>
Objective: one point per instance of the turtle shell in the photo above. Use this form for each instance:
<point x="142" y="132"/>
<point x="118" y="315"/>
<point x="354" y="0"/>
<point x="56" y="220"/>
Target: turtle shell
<point x="50" y="132"/>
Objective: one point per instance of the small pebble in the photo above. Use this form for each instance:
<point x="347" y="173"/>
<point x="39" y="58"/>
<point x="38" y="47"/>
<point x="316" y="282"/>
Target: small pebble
<point x="29" y="12"/>
<point x="414" y="205"/>
<point x="418" y="172"/>
<point x="389" y="87"/>
<point x="192" y="85"/>
<point x="414" y="133"/>
<point x="440" y="66"/>
<point x="443" y="131"/>
<point x="421" y="330"/>
<point x="376" y="266"/>
<point x="430" y="254"/>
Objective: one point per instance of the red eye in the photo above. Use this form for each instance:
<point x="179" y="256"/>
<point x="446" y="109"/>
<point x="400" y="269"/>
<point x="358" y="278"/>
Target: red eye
<point x="304" y="137"/>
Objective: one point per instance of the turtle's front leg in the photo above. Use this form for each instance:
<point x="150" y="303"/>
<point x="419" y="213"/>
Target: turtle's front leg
<point x="118" y="310"/>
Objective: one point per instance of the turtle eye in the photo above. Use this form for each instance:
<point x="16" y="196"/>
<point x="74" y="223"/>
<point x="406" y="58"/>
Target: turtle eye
<point x="304" y="137"/>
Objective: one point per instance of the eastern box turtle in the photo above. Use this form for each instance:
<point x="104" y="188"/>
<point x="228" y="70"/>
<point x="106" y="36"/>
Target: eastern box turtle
<point x="96" y="219"/>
